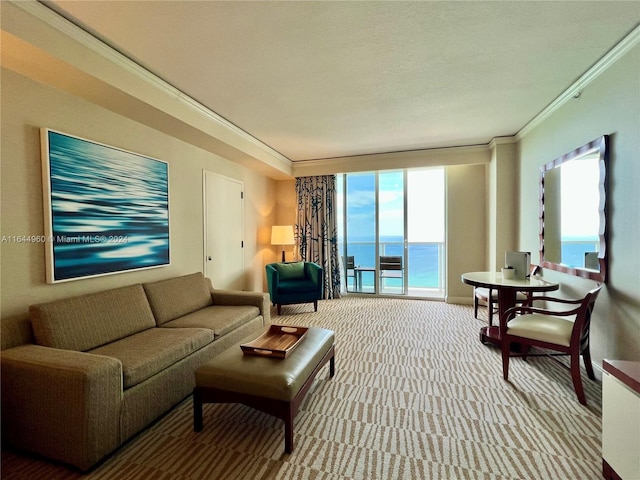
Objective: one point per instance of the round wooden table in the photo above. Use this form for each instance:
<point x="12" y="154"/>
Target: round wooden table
<point x="507" y="290"/>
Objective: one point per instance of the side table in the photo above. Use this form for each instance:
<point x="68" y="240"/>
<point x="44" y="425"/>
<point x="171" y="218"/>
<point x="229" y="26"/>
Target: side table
<point x="620" y="420"/>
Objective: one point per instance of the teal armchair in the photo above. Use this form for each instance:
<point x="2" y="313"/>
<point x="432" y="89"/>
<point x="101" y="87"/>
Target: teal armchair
<point x="295" y="282"/>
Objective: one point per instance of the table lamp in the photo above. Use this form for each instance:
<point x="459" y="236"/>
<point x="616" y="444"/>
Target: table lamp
<point x="282" y="235"/>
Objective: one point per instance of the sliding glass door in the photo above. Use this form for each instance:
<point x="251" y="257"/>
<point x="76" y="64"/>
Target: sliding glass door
<point x="360" y="227"/>
<point x="392" y="232"/>
<point x="426" y="232"/>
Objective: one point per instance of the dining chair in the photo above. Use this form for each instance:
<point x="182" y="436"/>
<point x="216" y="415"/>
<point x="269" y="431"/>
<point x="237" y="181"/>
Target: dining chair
<point x="391" y="267"/>
<point x="551" y="330"/>
<point x="489" y="297"/>
<point x="350" y="265"/>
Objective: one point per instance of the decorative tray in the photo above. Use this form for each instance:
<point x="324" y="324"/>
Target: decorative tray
<point x="277" y="342"/>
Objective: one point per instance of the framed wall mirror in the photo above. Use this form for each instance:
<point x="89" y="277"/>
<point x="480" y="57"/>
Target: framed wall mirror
<point x="573" y="220"/>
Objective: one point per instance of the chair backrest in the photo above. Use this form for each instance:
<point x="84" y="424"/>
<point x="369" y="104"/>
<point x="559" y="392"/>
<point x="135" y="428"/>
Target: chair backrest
<point x="350" y="263"/>
<point x="391" y="263"/>
<point x="583" y="317"/>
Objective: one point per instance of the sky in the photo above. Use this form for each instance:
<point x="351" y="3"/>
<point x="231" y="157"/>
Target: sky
<point x="425" y="205"/>
<point x="580" y="216"/>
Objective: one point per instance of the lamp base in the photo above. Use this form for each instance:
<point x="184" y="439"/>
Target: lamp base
<point x="283" y="255"/>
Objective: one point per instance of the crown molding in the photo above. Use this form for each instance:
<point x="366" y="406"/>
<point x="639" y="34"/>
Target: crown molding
<point x="84" y="38"/>
<point x="472" y="154"/>
<point x="574" y="91"/>
<point x="495" y="141"/>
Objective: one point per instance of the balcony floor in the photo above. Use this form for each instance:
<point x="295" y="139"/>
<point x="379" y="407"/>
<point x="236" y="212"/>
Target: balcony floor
<point x="412" y="292"/>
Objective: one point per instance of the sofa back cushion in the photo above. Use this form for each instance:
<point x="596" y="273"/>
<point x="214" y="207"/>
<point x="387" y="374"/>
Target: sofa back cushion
<point x="290" y="271"/>
<point x="15" y="331"/>
<point x="88" y="321"/>
<point x="175" y="297"/>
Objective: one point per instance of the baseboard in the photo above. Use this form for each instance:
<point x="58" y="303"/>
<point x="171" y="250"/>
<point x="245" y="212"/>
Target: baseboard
<point x="608" y="472"/>
<point x="598" y="371"/>
<point x="459" y="300"/>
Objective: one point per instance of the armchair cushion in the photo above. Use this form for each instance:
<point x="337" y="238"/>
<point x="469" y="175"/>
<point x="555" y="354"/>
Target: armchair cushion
<point x="300" y="286"/>
<point x="545" y="328"/>
<point x="290" y="271"/>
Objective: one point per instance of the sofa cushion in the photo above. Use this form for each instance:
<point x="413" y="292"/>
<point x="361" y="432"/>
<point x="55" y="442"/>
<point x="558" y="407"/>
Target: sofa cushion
<point x="146" y="353"/>
<point x="176" y="297"/>
<point x="15" y="331"/>
<point x="221" y="319"/>
<point x="290" y="271"/>
<point x="88" y="321"/>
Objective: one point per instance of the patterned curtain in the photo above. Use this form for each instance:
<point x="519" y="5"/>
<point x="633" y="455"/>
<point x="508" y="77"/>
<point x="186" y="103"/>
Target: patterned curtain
<point x="316" y="229"/>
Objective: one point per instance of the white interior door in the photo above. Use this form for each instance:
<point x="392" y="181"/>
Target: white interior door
<point x="223" y="231"/>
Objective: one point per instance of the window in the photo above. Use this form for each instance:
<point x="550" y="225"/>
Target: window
<point x="397" y="214"/>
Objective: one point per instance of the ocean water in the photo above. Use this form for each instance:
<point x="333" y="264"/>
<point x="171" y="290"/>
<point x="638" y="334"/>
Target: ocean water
<point x="424" y="259"/>
<point x="110" y="209"/>
<point x="573" y="252"/>
<point x="422" y="266"/>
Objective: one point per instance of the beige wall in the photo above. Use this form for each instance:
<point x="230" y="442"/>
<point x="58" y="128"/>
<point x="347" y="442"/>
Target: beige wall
<point x="466" y="198"/>
<point x="286" y="214"/>
<point x="503" y="200"/>
<point x="27" y="106"/>
<point x="609" y="105"/>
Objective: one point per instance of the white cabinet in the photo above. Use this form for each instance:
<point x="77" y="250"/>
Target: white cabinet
<point x="621" y="420"/>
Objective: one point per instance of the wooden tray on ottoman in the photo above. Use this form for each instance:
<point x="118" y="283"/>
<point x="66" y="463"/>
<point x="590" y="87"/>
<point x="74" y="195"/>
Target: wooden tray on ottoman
<point x="277" y="342"/>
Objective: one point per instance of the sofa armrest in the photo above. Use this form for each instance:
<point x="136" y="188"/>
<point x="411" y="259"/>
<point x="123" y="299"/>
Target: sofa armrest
<point x="273" y="279"/>
<point x="239" y="297"/>
<point x="313" y="271"/>
<point x="62" y="404"/>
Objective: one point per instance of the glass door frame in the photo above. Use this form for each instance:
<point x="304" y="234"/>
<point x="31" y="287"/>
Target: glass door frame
<point x="419" y="290"/>
<point x="378" y="290"/>
<point x="377" y="281"/>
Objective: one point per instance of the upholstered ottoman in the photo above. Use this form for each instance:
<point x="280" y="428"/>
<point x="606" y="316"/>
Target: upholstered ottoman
<point x="271" y="385"/>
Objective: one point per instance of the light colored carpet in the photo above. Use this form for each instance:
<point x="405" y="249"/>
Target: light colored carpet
<point x="415" y="396"/>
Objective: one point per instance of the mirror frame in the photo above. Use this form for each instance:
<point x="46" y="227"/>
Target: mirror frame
<point x="601" y="146"/>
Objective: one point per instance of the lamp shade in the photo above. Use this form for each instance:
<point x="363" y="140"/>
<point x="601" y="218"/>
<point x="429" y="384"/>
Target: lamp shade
<point x="282" y="235"/>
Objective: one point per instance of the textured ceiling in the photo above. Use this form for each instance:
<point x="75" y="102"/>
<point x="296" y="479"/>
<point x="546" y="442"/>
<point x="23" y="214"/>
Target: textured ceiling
<point x="323" y="79"/>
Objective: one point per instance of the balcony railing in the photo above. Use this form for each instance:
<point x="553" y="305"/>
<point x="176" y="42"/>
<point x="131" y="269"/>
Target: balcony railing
<point x="424" y="268"/>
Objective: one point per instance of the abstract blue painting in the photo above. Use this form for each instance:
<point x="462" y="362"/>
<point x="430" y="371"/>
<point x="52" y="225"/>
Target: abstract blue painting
<point x="106" y="209"/>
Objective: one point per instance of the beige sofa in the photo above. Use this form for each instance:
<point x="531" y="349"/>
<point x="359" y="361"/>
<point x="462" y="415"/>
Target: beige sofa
<point x="87" y="373"/>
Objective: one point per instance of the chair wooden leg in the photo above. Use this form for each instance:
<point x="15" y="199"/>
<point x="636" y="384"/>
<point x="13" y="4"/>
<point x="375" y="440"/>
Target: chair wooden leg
<point x="490" y="310"/>
<point x="315" y="305"/>
<point x="288" y="429"/>
<point x="524" y="349"/>
<point x="586" y="356"/>
<point x="505" y="359"/>
<point x="279" y="309"/>
<point x="577" y="380"/>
